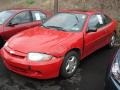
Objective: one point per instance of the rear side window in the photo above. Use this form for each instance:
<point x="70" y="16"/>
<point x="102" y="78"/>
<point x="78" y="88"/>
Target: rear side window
<point x="23" y="17"/>
<point x="106" y="19"/>
<point x="95" y="21"/>
<point x="37" y="15"/>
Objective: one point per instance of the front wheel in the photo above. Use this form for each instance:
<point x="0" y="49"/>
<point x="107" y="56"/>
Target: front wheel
<point x="69" y="65"/>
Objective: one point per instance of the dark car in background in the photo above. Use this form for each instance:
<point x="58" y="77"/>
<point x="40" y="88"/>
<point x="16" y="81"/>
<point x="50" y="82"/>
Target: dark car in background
<point x="112" y="80"/>
<point x="14" y="21"/>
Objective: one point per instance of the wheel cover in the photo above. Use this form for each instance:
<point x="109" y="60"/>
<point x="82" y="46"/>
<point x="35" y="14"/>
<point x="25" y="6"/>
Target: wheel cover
<point x="71" y="64"/>
<point x="112" y="41"/>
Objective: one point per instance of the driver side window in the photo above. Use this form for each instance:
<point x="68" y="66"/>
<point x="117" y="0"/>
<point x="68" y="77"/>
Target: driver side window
<point x="23" y="17"/>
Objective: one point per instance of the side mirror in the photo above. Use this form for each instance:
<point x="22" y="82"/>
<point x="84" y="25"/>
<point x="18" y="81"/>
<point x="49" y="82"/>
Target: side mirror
<point x="92" y="29"/>
<point x="12" y="24"/>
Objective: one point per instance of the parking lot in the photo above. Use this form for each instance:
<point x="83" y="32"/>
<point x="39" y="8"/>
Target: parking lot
<point x="89" y="76"/>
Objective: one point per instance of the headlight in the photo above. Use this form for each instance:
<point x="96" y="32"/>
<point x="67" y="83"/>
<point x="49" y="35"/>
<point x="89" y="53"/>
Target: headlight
<point x="116" y="69"/>
<point x="39" y="57"/>
<point x="6" y="44"/>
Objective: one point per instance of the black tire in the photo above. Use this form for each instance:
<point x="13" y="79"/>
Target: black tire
<point x="1" y="43"/>
<point x="112" y="41"/>
<point x="66" y="73"/>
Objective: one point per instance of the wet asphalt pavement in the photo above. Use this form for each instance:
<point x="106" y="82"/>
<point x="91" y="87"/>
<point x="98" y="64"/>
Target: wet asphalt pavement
<point x="89" y="76"/>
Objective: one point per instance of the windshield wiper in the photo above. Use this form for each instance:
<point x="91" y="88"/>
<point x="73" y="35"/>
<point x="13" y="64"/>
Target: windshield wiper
<point x="44" y="26"/>
<point x="56" y="27"/>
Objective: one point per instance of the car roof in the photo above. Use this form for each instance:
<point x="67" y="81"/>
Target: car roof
<point x="17" y="10"/>
<point x="77" y="11"/>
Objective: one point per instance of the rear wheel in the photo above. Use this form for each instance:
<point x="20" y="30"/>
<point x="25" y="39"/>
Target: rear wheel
<point x="69" y="65"/>
<point x="112" y="41"/>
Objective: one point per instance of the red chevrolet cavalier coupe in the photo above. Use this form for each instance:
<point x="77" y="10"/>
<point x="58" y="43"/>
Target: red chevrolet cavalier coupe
<point x="57" y="47"/>
<point x="14" y="21"/>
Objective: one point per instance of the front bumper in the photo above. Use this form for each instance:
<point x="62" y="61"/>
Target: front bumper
<point x="111" y="83"/>
<point x="40" y="70"/>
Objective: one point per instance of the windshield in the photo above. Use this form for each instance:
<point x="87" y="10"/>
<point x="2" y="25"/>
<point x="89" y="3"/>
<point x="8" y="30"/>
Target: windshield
<point x="4" y="15"/>
<point x="66" y="22"/>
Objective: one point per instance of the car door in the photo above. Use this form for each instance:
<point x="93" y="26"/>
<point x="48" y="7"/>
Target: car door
<point x="95" y="40"/>
<point x="110" y="27"/>
<point x="20" y="22"/>
<point x="38" y="17"/>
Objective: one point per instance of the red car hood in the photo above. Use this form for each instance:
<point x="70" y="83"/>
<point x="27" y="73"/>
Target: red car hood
<point x="38" y="39"/>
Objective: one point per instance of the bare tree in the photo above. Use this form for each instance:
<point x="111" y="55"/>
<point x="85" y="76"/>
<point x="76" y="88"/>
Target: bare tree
<point x="55" y="6"/>
<point x="84" y="4"/>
